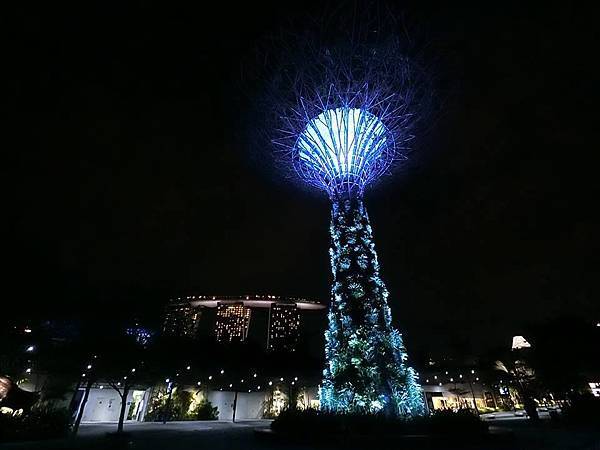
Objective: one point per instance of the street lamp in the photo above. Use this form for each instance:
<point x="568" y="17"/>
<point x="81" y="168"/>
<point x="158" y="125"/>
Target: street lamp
<point x="473" y="392"/>
<point x="168" y="402"/>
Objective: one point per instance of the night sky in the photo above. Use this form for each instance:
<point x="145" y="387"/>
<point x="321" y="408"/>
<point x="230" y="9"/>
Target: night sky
<point x="128" y="180"/>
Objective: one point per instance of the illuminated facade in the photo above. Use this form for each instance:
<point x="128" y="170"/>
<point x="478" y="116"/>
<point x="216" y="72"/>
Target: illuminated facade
<point x="181" y="319"/>
<point x="283" y="330"/>
<point x="284" y="327"/>
<point x="233" y="322"/>
<point x="519" y="342"/>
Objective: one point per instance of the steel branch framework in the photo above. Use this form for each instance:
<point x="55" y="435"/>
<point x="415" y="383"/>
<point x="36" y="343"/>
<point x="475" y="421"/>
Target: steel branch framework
<point x="346" y="114"/>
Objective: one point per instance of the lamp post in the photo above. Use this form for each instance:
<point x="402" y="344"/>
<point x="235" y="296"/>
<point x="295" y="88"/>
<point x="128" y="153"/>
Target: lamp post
<point x="168" y="402"/>
<point x="473" y="393"/>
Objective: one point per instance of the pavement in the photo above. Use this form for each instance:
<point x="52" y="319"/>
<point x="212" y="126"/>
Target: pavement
<point x="94" y="429"/>
<point x="506" y="434"/>
<point x="513" y="415"/>
<point x="213" y="435"/>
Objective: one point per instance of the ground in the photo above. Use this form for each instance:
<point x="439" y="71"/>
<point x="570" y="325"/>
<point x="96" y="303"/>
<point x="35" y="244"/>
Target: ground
<point x="508" y="435"/>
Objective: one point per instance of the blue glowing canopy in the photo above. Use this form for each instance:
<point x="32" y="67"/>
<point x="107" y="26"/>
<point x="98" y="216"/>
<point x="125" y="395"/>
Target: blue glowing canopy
<point x="342" y="150"/>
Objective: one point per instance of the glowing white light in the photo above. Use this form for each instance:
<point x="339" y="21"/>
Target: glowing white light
<point x="89" y="366"/>
<point x="341" y="148"/>
<point x="132" y="370"/>
<point x="101" y="387"/>
<point x="210" y="377"/>
<point x="28" y="370"/>
<point x="199" y="383"/>
<point x="376" y="405"/>
<point x="30" y="348"/>
<point x="188" y="367"/>
<point x="222" y="371"/>
<point x="167" y="380"/>
<point x="270" y="383"/>
<point x="520" y="342"/>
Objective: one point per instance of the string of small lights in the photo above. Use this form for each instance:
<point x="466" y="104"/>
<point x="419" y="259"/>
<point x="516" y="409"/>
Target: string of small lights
<point x="253" y="382"/>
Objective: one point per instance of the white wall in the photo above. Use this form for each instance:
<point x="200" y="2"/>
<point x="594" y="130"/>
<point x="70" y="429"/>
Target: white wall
<point x="249" y="404"/>
<point x="223" y="400"/>
<point x="104" y="405"/>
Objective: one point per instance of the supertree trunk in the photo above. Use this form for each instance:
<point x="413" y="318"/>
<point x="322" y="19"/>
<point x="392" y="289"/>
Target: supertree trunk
<point x="365" y="369"/>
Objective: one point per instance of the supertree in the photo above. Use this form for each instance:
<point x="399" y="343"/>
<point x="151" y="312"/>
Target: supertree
<point x="347" y="110"/>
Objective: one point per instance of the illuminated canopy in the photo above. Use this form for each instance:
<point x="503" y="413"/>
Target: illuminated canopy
<point x="342" y="150"/>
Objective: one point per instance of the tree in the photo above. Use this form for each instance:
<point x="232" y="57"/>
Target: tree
<point x="123" y="392"/>
<point x="116" y="361"/>
<point x="81" y="409"/>
<point x="123" y="369"/>
<point x="523" y="379"/>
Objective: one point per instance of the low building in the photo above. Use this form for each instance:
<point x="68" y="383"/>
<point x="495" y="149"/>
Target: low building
<point x="104" y="404"/>
<point x="458" y="388"/>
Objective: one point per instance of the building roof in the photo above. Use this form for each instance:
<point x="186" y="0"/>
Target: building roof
<point x="253" y="301"/>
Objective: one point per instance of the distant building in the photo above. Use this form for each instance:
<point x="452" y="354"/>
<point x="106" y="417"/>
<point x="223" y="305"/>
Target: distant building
<point x="181" y="319"/>
<point x="457" y="388"/>
<point x="284" y="327"/>
<point x="234" y="312"/>
<point x="233" y="322"/>
<point x="519" y="342"/>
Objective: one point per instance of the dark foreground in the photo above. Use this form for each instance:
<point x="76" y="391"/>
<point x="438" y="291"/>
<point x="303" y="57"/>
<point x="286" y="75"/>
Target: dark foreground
<point x="506" y="435"/>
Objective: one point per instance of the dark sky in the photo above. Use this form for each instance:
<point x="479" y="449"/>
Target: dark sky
<point x="128" y="180"/>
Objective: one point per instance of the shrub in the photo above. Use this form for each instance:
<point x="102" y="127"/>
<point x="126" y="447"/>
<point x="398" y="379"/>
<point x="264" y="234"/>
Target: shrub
<point x="297" y="422"/>
<point x="179" y="408"/>
<point x="583" y="409"/>
<point x="206" y="411"/>
<point x="41" y="422"/>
